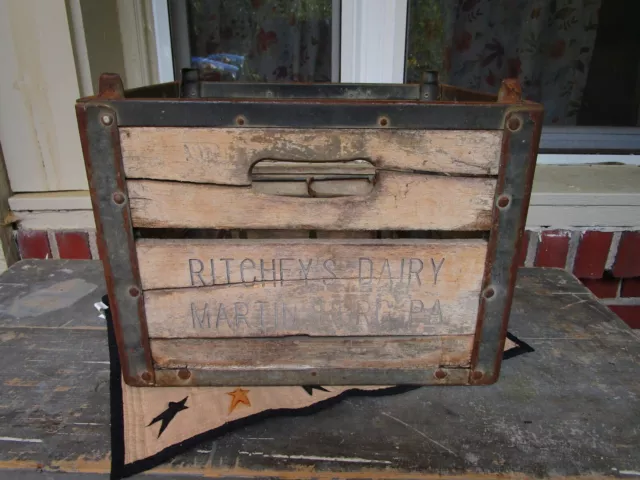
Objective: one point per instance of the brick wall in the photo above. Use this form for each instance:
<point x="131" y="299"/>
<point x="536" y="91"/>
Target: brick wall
<point x="67" y="244"/>
<point x="608" y="263"/>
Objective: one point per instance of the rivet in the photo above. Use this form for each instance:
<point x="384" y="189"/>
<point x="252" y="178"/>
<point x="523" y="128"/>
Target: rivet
<point x="118" y="198"/>
<point x="106" y="119"/>
<point x="313" y="374"/>
<point x="146" y="376"/>
<point x="184" y="374"/>
<point x="240" y="120"/>
<point x="477" y="375"/>
<point x="383" y="121"/>
<point x="134" y="292"/>
<point x="514" y="123"/>
<point x="440" y="374"/>
<point x="504" y="201"/>
<point x="488" y="292"/>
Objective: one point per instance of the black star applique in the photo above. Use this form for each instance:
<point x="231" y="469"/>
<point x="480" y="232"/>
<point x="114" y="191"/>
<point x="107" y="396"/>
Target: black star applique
<point x="310" y="388"/>
<point x="172" y="410"/>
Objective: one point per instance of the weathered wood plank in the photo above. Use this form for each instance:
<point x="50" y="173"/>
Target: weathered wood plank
<point x="304" y="352"/>
<point x="318" y="287"/>
<point x="225" y="155"/>
<point x="399" y="201"/>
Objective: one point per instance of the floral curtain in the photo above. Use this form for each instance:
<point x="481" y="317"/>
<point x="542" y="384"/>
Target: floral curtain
<point x="262" y="40"/>
<point x="547" y="44"/>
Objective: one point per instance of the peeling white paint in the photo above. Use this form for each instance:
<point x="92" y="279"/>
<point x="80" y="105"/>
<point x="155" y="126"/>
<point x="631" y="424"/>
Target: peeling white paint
<point x="20" y="440"/>
<point x="316" y="458"/>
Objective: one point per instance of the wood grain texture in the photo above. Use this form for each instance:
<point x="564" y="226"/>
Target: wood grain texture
<point x="399" y="201"/>
<point x="225" y="155"/>
<point x="236" y="288"/>
<point x="301" y="352"/>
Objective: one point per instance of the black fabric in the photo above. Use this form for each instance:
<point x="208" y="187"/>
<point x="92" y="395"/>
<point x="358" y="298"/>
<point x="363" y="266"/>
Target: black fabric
<point x="520" y="349"/>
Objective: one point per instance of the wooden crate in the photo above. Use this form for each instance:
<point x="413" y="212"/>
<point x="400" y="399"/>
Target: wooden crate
<point x="309" y="234"/>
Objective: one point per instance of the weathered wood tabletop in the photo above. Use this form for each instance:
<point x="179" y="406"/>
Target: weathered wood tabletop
<point x="570" y="408"/>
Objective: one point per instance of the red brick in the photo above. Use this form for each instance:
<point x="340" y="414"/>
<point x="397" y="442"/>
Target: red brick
<point x="73" y="245"/>
<point x="627" y="262"/>
<point x="629" y="313"/>
<point x="603" y="287"/>
<point x="522" y="254"/>
<point x="33" y="244"/>
<point x="553" y="249"/>
<point x="592" y="254"/>
<point x="630" y="287"/>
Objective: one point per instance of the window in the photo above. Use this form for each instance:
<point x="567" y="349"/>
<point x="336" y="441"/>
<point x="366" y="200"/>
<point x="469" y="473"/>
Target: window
<point x="580" y="58"/>
<point x="255" y="40"/>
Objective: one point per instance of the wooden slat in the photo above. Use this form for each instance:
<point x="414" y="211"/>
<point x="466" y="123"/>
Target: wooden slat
<point x="224" y="155"/>
<point x="399" y="201"/>
<point x="300" y="352"/>
<point x="270" y="169"/>
<point x="316" y="287"/>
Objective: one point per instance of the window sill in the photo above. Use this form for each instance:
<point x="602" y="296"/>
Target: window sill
<point x="564" y="196"/>
<point x="574" y="196"/>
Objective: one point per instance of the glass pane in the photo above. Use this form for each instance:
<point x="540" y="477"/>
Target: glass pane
<point x="580" y="58"/>
<point x="261" y="40"/>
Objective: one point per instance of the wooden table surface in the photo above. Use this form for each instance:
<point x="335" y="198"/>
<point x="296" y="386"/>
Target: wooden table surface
<point x="571" y="408"/>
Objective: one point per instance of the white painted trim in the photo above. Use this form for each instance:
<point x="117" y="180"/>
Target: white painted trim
<point x="161" y="43"/>
<point x="613" y="250"/>
<point x="80" y="51"/>
<point x="373" y="39"/>
<point x="133" y="32"/>
<point x="50" y="201"/>
<point x="146" y="41"/>
<point x="93" y="245"/>
<point x="38" y="88"/>
<point x="59" y="220"/>
<point x="576" y="196"/>
<point x="336" y="20"/>
<point x="605" y="198"/>
<point x="53" y="244"/>
<point x="582" y="159"/>
<point x="580" y="216"/>
<point x="532" y="249"/>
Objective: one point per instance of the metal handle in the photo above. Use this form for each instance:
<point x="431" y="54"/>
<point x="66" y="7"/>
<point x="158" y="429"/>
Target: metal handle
<point x="317" y="179"/>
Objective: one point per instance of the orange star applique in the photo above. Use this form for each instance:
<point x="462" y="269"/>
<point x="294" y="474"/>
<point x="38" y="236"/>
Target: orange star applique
<point x="238" y="396"/>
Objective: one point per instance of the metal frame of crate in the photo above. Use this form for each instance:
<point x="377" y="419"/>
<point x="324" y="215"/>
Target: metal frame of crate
<point x="195" y="103"/>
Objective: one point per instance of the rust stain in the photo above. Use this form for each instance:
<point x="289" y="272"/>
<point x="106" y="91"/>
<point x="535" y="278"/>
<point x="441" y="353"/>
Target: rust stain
<point x="510" y="91"/>
<point x="19" y="382"/>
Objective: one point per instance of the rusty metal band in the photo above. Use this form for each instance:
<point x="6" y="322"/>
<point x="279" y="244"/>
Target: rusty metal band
<point x="315" y="113"/>
<point x="103" y="158"/>
<point x="345" y="91"/>
<point x="312" y="376"/>
<point x="511" y="202"/>
<point x="309" y="90"/>
<point x="160" y="90"/>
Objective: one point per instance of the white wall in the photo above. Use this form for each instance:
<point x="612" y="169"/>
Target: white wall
<point x="38" y="89"/>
